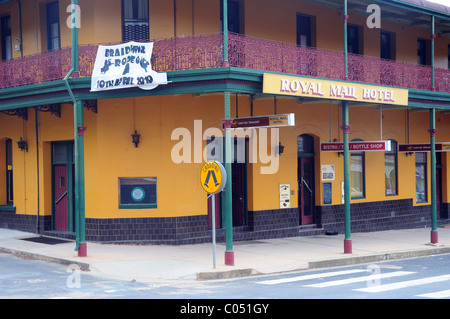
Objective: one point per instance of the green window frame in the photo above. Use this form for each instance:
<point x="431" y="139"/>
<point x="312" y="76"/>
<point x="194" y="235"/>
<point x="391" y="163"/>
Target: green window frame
<point x="357" y="174"/>
<point x="421" y="177"/>
<point x="390" y="170"/>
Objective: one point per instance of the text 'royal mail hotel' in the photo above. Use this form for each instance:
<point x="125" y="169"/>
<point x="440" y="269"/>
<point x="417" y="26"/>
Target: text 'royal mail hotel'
<point x="334" y="115"/>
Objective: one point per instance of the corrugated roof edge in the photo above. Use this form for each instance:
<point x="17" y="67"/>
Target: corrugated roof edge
<point x="432" y="6"/>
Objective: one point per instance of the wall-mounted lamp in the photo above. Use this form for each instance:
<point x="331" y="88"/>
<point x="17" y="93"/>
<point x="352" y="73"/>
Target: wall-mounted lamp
<point x="136" y="138"/>
<point x="280" y="148"/>
<point x="23" y="145"/>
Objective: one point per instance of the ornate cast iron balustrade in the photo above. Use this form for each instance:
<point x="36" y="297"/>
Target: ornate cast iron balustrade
<point x="206" y="51"/>
<point x="252" y="53"/>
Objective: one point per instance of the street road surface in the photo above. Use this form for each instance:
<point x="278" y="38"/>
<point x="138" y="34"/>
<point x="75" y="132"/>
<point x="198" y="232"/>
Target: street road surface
<point x="419" y="278"/>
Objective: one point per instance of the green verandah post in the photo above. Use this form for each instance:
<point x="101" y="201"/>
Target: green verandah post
<point x="228" y="205"/>
<point x="432" y="131"/>
<point x="346" y="128"/>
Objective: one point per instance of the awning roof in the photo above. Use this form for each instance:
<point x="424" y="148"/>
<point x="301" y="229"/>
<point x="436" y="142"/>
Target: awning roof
<point x="429" y="5"/>
<point x="410" y="12"/>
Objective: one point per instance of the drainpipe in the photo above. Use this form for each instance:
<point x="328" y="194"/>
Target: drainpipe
<point x="38" y="138"/>
<point x="79" y="129"/>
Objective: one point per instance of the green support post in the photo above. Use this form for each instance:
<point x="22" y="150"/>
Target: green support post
<point x="345" y="17"/>
<point x="346" y="130"/>
<point x="75" y="63"/>
<point x="432" y="131"/>
<point x="228" y="207"/>
<point x="225" y="33"/>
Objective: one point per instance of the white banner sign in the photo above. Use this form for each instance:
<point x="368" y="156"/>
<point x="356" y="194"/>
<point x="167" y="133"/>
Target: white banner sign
<point x="124" y="66"/>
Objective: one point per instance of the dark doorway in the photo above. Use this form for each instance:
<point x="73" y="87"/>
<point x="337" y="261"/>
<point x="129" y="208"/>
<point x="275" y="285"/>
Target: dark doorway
<point x="239" y="185"/>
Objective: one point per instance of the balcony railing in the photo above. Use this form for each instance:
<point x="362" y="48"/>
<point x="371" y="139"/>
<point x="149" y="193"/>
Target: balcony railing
<point x="202" y="52"/>
<point x="247" y="52"/>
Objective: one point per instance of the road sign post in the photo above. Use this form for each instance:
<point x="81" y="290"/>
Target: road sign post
<point x="213" y="179"/>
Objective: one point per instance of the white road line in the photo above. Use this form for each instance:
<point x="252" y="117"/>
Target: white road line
<point x="313" y="276"/>
<point x="359" y="279"/>
<point x="437" y="294"/>
<point x="405" y="284"/>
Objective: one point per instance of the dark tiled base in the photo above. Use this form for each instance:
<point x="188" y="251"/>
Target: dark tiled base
<point x="376" y="216"/>
<point x="27" y="223"/>
<point x="163" y="230"/>
<point x="278" y="223"/>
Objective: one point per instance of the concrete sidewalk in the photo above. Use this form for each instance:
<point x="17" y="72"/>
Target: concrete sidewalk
<point x="147" y="263"/>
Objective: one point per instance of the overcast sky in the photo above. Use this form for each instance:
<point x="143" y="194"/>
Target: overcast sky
<point x="445" y="2"/>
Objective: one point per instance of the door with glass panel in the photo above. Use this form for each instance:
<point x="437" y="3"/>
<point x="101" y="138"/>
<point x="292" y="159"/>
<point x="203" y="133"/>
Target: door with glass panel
<point x="63" y="187"/>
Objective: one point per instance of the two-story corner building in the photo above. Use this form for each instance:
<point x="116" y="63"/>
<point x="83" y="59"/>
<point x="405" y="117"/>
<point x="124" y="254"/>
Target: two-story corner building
<point x="366" y="81"/>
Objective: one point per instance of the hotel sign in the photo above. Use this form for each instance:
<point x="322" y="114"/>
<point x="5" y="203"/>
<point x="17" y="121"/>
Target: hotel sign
<point x="336" y="90"/>
<point x="360" y="146"/>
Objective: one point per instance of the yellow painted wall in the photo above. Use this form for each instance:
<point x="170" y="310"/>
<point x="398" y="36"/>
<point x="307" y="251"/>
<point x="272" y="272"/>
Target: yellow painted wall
<point x="110" y="153"/>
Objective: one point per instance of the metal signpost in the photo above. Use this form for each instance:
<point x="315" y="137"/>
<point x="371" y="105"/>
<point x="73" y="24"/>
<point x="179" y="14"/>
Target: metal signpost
<point x="213" y="179"/>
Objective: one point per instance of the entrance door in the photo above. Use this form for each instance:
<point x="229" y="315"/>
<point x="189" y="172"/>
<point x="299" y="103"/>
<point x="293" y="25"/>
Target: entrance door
<point x="305" y="175"/>
<point x="306" y="189"/>
<point x="60" y="197"/>
<point x="238" y="190"/>
<point x="63" y="186"/>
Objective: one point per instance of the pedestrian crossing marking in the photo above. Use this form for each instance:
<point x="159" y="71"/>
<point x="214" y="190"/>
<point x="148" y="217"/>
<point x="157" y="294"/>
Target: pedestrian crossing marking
<point x="405" y="284"/>
<point x="312" y="276"/>
<point x="437" y="294"/>
<point x="360" y="279"/>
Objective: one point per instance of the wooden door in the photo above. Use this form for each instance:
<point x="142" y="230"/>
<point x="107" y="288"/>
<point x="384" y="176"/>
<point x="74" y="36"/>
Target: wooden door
<point x="60" y="197"/>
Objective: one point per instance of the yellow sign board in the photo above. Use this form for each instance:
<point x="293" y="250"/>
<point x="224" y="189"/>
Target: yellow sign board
<point x="213" y="177"/>
<point x="335" y="90"/>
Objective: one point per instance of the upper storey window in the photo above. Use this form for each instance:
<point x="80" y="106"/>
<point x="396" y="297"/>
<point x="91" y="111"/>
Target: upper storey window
<point x="354" y="40"/>
<point x="306" y="27"/>
<point x="234" y="16"/>
<point x="5" y="27"/>
<point x="387" y="45"/>
<point x="53" y="34"/>
<point x="448" y="57"/>
<point x="423" y="51"/>
<point x="135" y="22"/>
